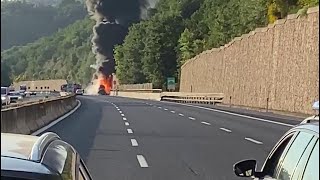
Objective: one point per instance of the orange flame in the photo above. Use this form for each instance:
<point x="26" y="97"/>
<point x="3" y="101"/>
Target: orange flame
<point x="106" y="82"/>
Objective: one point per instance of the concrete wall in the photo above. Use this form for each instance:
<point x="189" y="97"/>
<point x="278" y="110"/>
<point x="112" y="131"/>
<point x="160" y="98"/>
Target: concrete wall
<point x="279" y="62"/>
<point x="29" y="118"/>
<point x="135" y="86"/>
<point x="139" y="95"/>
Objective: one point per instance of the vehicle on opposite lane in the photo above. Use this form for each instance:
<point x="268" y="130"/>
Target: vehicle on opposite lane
<point x="43" y="158"/>
<point x="5" y="99"/>
<point x="79" y="92"/>
<point x="15" y="97"/>
<point x="295" y="156"/>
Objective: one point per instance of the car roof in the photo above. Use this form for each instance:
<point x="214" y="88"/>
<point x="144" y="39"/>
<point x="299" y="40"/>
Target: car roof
<point x="45" y="154"/>
<point x="25" y="146"/>
<point x="312" y="126"/>
<point x="17" y="145"/>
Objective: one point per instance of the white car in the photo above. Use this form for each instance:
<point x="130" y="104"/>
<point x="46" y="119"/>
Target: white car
<point x="15" y="97"/>
<point x="315" y="117"/>
<point x="5" y="99"/>
<point x="79" y="92"/>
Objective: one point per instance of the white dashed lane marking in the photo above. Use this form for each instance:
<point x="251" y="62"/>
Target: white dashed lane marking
<point x="192" y="118"/>
<point x="160" y="107"/>
<point x="165" y="109"/>
<point x="124" y="118"/>
<point x="173" y="111"/>
<point x="134" y="142"/>
<point x="226" y="130"/>
<point x="129" y="131"/>
<point x="126" y="123"/>
<point x="181" y="115"/>
<point x="120" y="111"/>
<point x="142" y="161"/>
<point x="206" y="123"/>
<point x="122" y="114"/>
<point x="252" y="140"/>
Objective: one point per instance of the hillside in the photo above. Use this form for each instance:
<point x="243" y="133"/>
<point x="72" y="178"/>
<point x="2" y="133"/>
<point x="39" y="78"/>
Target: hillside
<point x="179" y="30"/>
<point x="154" y="49"/>
<point x="26" y="21"/>
<point x="66" y="55"/>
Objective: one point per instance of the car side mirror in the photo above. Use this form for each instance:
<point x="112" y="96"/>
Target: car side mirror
<point x="245" y="168"/>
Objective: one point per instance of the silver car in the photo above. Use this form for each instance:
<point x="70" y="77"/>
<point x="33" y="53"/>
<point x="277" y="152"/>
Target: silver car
<point x="43" y="158"/>
<point x="295" y="156"/>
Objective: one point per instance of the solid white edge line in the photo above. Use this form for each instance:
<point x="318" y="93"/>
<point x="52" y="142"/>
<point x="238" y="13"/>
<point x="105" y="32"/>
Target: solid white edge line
<point x="226" y="130"/>
<point x="134" y="142"/>
<point x="234" y="114"/>
<point x="129" y="131"/>
<point x="142" y="161"/>
<point x="192" y="118"/>
<point x="206" y="123"/>
<point x="57" y="120"/>
<point x="253" y="140"/>
<point x="181" y="114"/>
<point x="126" y="123"/>
<point x="124" y="118"/>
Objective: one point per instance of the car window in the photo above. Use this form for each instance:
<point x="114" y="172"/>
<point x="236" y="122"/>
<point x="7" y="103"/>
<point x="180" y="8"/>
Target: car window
<point x="304" y="159"/>
<point x="312" y="169"/>
<point x="293" y="155"/>
<point x="83" y="174"/>
<point x="272" y="162"/>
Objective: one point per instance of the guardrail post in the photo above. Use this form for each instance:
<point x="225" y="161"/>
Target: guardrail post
<point x="267" y="104"/>
<point x="230" y="101"/>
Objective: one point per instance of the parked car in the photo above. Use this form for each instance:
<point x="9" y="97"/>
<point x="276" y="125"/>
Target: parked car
<point x="43" y="158"/>
<point x="15" y="97"/>
<point x="79" y="92"/>
<point x="295" y="156"/>
<point x="5" y="99"/>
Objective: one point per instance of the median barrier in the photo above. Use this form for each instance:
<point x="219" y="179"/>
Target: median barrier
<point x="181" y="97"/>
<point x="201" y="98"/>
<point x="138" y="94"/>
<point x="28" y="118"/>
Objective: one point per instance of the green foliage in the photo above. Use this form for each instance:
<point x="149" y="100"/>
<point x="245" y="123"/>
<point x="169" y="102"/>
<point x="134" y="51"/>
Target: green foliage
<point x="23" y="22"/>
<point x="66" y="54"/>
<point x="278" y="9"/>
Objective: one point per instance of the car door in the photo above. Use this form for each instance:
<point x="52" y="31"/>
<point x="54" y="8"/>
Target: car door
<point x="289" y="161"/>
<point x="311" y="171"/>
<point x="270" y="166"/>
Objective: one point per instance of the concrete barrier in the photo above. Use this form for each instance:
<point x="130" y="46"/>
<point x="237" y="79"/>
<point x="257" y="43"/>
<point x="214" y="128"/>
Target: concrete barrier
<point x="31" y="117"/>
<point x="139" y="95"/>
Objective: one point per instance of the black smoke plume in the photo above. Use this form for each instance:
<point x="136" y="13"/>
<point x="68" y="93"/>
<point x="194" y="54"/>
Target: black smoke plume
<point x="112" y="20"/>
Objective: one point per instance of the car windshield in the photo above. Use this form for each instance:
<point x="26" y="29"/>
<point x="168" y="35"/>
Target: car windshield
<point x="14" y="93"/>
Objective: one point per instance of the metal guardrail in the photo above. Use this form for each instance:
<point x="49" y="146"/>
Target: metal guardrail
<point x="139" y="90"/>
<point x="201" y="98"/>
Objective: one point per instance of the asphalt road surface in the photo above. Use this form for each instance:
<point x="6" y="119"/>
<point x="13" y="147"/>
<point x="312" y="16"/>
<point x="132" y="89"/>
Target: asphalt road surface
<point x="128" y="139"/>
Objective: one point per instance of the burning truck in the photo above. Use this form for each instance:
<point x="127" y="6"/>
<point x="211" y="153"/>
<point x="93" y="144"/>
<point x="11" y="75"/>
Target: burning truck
<point x="105" y="85"/>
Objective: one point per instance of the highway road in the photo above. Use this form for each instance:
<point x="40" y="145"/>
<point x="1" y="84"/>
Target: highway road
<point x="122" y="139"/>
